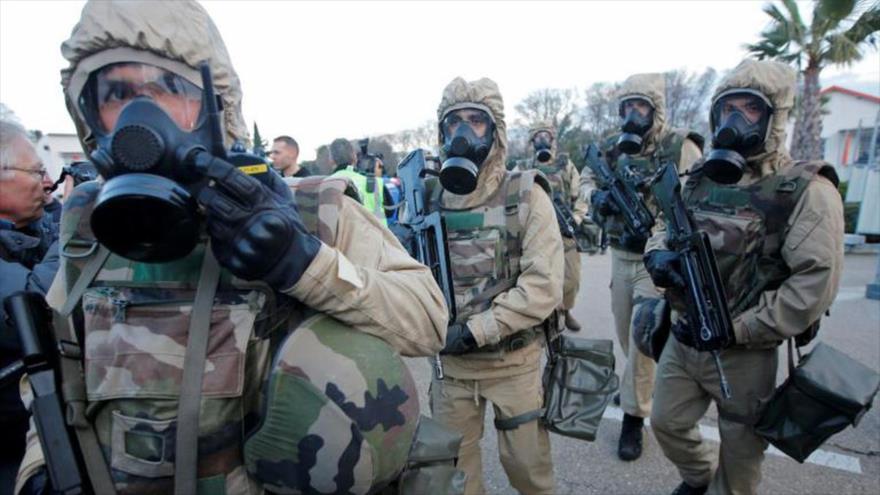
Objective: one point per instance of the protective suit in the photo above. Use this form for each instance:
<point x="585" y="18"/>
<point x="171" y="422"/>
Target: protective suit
<point x="351" y="309"/>
<point x="564" y="179"/>
<point x="777" y="236"/>
<point x="503" y="240"/>
<point x="630" y="282"/>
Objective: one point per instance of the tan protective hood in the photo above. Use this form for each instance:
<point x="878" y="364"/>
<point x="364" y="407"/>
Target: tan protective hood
<point x="482" y="94"/>
<point x="546" y="127"/>
<point x="174" y="35"/>
<point x="776" y="81"/>
<point x="651" y="87"/>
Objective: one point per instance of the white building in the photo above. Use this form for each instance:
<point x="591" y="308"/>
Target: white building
<point x="58" y="150"/>
<point x="848" y="126"/>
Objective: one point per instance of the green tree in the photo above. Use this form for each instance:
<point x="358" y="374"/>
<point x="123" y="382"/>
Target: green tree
<point x="259" y="143"/>
<point x="837" y="34"/>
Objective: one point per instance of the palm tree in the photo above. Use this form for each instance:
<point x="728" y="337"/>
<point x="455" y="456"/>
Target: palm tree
<point x="833" y="38"/>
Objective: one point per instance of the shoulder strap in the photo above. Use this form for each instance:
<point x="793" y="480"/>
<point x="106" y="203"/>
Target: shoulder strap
<point x="189" y="404"/>
<point x="73" y="382"/>
<point x="512" y="222"/>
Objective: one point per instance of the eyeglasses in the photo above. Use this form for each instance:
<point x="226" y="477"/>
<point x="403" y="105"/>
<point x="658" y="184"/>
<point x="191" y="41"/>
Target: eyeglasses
<point x="39" y="173"/>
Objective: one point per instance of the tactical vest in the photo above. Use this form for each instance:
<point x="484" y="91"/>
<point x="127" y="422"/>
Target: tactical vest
<point x="485" y="242"/>
<point x="136" y="318"/>
<point x="747" y="226"/>
<point x="371" y="191"/>
<point x="636" y="169"/>
<point x="557" y="178"/>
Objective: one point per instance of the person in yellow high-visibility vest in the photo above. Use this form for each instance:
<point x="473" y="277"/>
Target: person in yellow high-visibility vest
<point x="370" y="187"/>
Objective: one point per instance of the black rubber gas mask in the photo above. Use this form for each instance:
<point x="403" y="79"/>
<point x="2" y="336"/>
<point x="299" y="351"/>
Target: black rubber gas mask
<point x="465" y="150"/>
<point x="634" y="126"/>
<point x="146" y="211"/>
<point x="740" y="120"/>
<point x="543" y="143"/>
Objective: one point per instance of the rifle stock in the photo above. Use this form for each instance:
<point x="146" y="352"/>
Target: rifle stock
<point x="429" y="232"/>
<point x="707" y="313"/>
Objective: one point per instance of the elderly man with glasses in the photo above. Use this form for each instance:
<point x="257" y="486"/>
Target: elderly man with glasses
<point x="28" y="261"/>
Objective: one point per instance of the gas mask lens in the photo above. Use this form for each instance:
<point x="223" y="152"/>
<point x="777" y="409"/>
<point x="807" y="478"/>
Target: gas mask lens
<point x="637" y="116"/>
<point x="467" y="139"/>
<point x="114" y="86"/>
<point x="740" y="121"/>
<point x="148" y="123"/>
<point x="543" y="143"/>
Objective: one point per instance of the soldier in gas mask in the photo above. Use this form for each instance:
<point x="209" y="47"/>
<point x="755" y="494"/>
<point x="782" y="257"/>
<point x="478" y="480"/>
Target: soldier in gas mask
<point x="564" y="179"/>
<point x="507" y="264"/>
<point x="775" y="227"/>
<point x="196" y="276"/>
<point x="644" y="144"/>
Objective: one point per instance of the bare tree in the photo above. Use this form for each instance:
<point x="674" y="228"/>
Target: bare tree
<point x="557" y="107"/>
<point x="599" y="113"/>
<point x="687" y="99"/>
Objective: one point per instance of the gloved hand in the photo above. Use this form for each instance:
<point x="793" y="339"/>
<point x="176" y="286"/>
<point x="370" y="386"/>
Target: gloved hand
<point x="603" y="203"/>
<point x="664" y="267"/>
<point x="255" y="229"/>
<point x="459" y="339"/>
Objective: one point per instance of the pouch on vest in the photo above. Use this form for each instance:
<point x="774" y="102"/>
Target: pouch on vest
<point x="825" y="393"/>
<point x="579" y="382"/>
<point x="431" y="467"/>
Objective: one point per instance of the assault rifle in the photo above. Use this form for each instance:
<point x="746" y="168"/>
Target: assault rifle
<point x="635" y="213"/>
<point x="567" y="225"/>
<point x="428" y="244"/>
<point x="708" y="316"/>
<point x="31" y="318"/>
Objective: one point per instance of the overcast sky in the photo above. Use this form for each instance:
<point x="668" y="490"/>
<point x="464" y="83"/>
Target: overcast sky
<point x="308" y="68"/>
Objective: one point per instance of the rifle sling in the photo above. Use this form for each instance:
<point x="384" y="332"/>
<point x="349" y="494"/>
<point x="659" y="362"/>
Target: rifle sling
<point x="188" y="408"/>
<point x="73" y="382"/>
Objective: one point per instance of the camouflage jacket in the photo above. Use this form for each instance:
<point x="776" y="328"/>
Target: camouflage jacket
<point x="344" y="432"/>
<point x="748" y="225"/>
<point x="486" y="248"/>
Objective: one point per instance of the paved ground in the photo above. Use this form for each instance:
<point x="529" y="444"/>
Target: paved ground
<point x="848" y="464"/>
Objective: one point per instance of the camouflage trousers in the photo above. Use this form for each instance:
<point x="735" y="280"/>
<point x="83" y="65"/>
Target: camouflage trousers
<point x="572" y="281"/>
<point x="630" y="282"/>
<point x="687" y="382"/>
<point x="524" y="451"/>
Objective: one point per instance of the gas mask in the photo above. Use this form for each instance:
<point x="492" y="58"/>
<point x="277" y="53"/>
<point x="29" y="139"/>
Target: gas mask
<point x="465" y="151"/>
<point x="542" y="143"/>
<point x="634" y="127"/>
<point x="740" y="120"/>
<point x="146" y="211"/>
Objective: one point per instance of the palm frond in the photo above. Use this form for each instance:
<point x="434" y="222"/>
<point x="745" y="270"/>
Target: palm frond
<point x="867" y="24"/>
<point x="845" y="47"/>
<point x="840" y="50"/>
<point x="797" y="26"/>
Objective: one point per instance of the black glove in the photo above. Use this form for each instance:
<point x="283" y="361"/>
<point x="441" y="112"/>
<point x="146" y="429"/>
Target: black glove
<point x="682" y="332"/>
<point x="255" y="229"/>
<point x="603" y="203"/>
<point x="665" y="268"/>
<point x="459" y="339"/>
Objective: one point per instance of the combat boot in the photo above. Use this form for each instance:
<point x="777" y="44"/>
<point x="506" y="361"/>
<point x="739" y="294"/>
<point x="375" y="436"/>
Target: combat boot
<point x="570" y="322"/>
<point x="685" y="489"/>
<point x="630" y="446"/>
